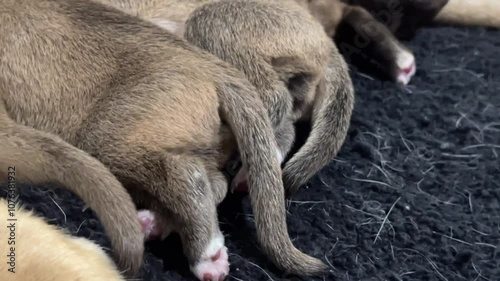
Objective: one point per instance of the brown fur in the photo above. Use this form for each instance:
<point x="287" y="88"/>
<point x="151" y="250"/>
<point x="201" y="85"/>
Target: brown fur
<point x="284" y="53"/>
<point x="371" y="27"/>
<point x="37" y="156"/>
<point x="150" y="107"/>
<point x="374" y="38"/>
<point x="45" y="252"/>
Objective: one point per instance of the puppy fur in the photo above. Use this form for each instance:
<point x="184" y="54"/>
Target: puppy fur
<point x="37" y="244"/>
<point x="283" y="51"/>
<point x="471" y="13"/>
<point x="36" y="156"/>
<point x="161" y="114"/>
<point x="378" y="24"/>
<point x="285" y="54"/>
<point x="374" y="38"/>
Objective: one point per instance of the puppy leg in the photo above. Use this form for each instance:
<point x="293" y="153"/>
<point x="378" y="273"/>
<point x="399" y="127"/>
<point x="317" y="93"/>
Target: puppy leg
<point x="219" y="185"/>
<point x="40" y="157"/>
<point x="397" y="61"/>
<point x="183" y="194"/>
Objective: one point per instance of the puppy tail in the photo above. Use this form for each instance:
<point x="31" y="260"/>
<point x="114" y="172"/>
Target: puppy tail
<point x="243" y="110"/>
<point x="470" y="12"/>
<point x="330" y="122"/>
<point x="29" y="155"/>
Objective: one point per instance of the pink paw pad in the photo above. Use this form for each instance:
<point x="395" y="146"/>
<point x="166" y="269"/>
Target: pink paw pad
<point x="216" y="268"/>
<point x="149" y="223"/>
<point x="407" y="67"/>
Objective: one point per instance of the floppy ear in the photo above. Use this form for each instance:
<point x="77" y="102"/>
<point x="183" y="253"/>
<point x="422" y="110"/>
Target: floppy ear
<point x="331" y="116"/>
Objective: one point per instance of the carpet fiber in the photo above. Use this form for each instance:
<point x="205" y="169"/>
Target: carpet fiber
<point x="414" y="193"/>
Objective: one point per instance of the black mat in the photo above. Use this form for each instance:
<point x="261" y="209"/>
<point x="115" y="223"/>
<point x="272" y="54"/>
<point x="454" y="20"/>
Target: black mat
<point x="413" y="195"/>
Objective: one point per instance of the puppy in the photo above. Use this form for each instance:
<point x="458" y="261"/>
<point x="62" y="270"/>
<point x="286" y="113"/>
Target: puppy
<point x="161" y="114"/>
<point x="31" y="244"/>
<point x="404" y="17"/>
<point x="377" y="25"/>
<point x="30" y="155"/>
<point x="283" y="51"/>
<point x="373" y="38"/>
<point x="470" y="13"/>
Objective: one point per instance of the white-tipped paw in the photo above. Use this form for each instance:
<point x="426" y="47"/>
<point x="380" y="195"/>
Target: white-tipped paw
<point x="407" y="67"/>
<point x="215" y="264"/>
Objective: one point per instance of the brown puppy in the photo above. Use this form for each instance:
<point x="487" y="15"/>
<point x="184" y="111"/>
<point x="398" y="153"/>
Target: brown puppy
<point x="29" y="240"/>
<point x="153" y="109"/>
<point x="374" y="38"/>
<point x="378" y="23"/>
<point x="284" y="53"/>
<point x="30" y="155"/>
<point x="404" y="17"/>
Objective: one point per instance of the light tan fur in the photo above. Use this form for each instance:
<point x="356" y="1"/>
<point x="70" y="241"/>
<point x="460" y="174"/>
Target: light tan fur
<point x="42" y="252"/>
<point x="161" y="114"/>
<point x="470" y="12"/>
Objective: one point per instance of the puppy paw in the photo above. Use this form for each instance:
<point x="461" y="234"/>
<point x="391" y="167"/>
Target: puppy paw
<point x="214" y="266"/>
<point x="406" y="67"/>
<point x="150" y="225"/>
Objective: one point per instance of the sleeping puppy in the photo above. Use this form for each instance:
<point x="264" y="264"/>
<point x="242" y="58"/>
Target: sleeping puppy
<point x="161" y="114"/>
<point x="405" y="17"/>
<point x="285" y="53"/>
<point x="470" y="13"/>
<point x="280" y="50"/>
<point x="372" y="27"/>
<point x="33" y="244"/>
<point x="370" y="37"/>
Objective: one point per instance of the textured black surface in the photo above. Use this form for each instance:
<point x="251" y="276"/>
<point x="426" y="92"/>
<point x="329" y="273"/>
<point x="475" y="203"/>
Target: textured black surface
<point x="431" y="151"/>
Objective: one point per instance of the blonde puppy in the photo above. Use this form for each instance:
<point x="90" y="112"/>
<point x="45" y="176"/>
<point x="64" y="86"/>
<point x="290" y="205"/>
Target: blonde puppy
<point x="33" y="250"/>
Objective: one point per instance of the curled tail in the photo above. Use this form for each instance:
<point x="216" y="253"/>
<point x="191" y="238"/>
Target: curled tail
<point x="243" y="110"/>
<point x="470" y="12"/>
<point x="330" y="122"/>
<point x="38" y="157"/>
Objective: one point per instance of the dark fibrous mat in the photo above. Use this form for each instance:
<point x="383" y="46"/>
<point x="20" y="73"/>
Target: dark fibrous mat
<point x="414" y="194"/>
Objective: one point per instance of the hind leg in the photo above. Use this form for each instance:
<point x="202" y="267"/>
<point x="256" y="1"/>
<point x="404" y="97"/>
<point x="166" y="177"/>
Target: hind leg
<point x="396" y="60"/>
<point x="160" y="227"/>
<point x="185" y="202"/>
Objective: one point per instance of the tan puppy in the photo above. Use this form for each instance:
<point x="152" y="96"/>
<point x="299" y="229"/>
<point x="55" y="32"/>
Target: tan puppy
<point x="161" y="114"/>
<point x="470" y="12"/>
<point x="284" y="52"/>
<point x="29" y="155"/>
<point x="34" y="250"/>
